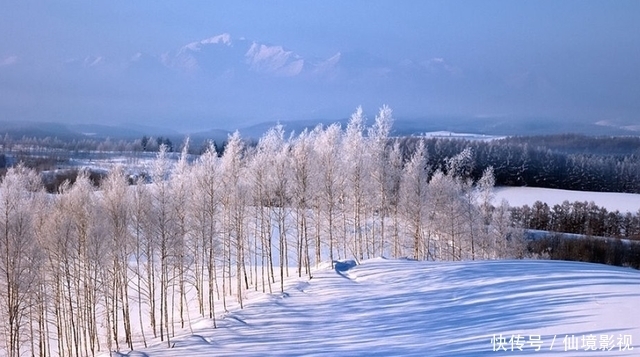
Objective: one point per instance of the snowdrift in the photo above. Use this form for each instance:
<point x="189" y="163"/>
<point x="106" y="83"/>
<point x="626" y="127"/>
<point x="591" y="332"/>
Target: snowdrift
<point x="409" y="308"/>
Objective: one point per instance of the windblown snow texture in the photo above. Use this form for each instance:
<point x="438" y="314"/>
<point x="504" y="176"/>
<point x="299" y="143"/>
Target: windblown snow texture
<point x="409" y="308"/>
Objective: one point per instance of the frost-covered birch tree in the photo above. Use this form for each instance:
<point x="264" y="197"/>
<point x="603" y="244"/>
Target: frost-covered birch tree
<point x="330" y="188"/>
<point x="301" y="154"/>
<point x="354" y="161"/>
<point x="413" y="190"/>
<point x="381" y="176"/>
<point x="115" y="206"/>
<point x="19" y="259"/>
<point x="233" y="205"/>
<point x="163" y="237"/>
<point x="206" y="208"/>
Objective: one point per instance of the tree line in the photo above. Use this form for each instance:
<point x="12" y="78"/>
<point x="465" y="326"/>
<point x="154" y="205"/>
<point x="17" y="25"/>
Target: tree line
<point x="610" y="251"/>
<point x="566" y="161"/>
<point x="75" y="266"/>
<point x="584" y="218"/>
<point x="549" y="161"/>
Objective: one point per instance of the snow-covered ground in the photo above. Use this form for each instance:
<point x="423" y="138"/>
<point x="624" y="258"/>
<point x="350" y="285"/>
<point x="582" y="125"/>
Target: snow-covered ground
<point x="408" y="308"/>
<point x="612" y="201"/>
<point x="465" y="136"/>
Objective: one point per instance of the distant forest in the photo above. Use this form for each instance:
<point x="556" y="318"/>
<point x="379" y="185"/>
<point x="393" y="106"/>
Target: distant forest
<point x="568" y="161"/>
<point x="571" y="162"/>
<point x="583" y="218"/>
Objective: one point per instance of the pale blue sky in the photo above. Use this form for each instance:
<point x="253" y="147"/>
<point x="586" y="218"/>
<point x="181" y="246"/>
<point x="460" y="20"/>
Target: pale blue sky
<point x="78" y="61"/>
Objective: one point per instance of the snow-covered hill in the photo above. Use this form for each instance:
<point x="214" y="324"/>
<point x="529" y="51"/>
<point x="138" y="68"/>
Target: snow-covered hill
<point x="408" y="308"/>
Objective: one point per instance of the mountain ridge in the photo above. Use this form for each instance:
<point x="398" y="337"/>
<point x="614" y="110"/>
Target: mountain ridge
<point x="497" y="126"/>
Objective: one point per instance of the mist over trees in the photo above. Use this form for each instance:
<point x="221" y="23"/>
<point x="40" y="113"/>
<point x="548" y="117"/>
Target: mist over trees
<point x="79" y="268"/>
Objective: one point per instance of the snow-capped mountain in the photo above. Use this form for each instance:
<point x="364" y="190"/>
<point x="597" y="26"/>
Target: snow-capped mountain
<point x="227" y="56"/>
<point x="228" y="82"/>
<point x="228" y="79"/>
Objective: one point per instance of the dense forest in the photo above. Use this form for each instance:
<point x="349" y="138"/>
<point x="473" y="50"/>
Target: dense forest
<point x="611" y="251"/>
<point x="584" y="218"/>
<point x="581" y="231"/>
<point x="580" y="163"/>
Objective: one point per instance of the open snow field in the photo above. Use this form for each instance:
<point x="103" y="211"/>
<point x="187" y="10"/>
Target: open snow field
<point x="408" y="308"/>
<point x="464" y="136"/>
<point x="612" y="201"/>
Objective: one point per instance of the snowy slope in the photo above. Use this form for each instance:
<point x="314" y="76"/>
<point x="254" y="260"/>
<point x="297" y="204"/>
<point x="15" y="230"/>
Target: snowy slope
<point x="612" y="201"/>
<point x="408" y="308"/>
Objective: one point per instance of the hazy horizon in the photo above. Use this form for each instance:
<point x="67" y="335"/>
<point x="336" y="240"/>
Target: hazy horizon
<point x="200" y="65"/>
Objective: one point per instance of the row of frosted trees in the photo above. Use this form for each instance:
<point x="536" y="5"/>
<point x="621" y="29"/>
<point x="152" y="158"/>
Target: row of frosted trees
<point x="89" y="270"/>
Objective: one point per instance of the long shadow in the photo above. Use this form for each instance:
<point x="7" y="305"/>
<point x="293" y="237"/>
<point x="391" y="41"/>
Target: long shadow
<point x="403" y="308"/>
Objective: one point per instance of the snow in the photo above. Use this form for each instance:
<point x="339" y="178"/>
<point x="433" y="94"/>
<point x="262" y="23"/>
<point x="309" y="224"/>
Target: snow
<point x="408" y="308"/>
<point x="465" y="136"/>
<point x="612" y="201"/>
<point x="224" y="38"/>
<point x="273" y="59"/>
